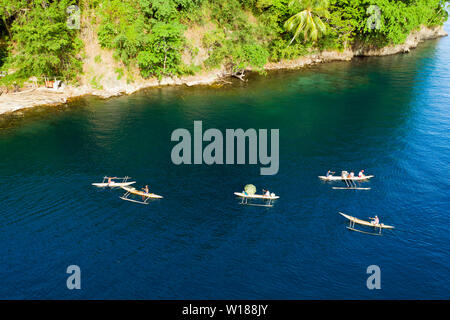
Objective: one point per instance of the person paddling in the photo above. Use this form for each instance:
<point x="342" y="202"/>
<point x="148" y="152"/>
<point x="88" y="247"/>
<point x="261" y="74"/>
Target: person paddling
<point x="329" y="173"/>
<point x="375" y="220"/>
<point x="110" y="180"/>
<point x="146" y="191"/>
<point x="361" y="174"/>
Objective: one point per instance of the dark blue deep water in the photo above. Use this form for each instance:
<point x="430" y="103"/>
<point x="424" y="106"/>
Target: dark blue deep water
<point x="388" y="115"/>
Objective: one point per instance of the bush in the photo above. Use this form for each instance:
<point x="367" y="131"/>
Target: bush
<point x="252" y="55"/>
<point x="162" y="56"/>
<point x="44" y="44"/>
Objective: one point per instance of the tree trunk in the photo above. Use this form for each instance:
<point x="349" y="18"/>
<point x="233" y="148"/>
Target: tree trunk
<point x="165" y="58"/>
<point x="239" y="74"/>
<point x="7" y="28"/>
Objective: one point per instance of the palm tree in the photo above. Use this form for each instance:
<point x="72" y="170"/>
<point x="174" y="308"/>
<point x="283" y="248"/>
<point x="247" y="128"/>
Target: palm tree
<point x="308" y="21"/>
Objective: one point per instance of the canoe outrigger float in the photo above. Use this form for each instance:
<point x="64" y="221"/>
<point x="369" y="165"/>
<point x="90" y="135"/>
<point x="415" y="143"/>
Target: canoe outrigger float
<point x="340" y="178"/>
<point x="350" y="182"/>
<point x="109" y="182"/>
<point x="146" y="197"/>
<point x="353" y="221"/>
<point x="350" y="185"/>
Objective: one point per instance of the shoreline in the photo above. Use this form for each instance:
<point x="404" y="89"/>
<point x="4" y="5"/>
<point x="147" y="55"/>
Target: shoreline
<point x="13" y="102"/>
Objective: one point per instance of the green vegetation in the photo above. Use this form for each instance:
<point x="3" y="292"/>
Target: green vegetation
<point x="39" y="40"/>
<point x="235" y="41"/>
<point x="162" y="56"/>
<point x="146" y="33"/>
<point x="119" y="72"/>
<point x="308" y="21"/>
<point x="154" y="36"/>
<point x="95" y="82"/>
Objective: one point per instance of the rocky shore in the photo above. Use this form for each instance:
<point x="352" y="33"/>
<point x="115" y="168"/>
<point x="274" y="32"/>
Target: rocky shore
<point x="41" y="96"/>
<point x="12" y="102"/>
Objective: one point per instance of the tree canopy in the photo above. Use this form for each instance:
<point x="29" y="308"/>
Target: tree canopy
<point x="150" y="35"/>
<point x="308" y="21"/>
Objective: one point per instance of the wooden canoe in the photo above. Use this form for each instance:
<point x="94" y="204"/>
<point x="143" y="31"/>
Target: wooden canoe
<point x="141" y="193"/>
<point x="365" y="223"/>
<point x="113" y="184"/>
<point x="256" y="196"/>
<point x="339" y="178"/>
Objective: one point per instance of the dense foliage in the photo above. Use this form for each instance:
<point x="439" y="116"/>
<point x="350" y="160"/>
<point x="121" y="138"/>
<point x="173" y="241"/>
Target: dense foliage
<point x="146" y="32"/>
<point x="39" y="39"/>
<point x="308" y="19"/>
<point x="154" y="35"/>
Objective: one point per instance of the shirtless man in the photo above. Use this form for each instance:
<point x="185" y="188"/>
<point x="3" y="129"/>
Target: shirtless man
<point x="110" y="180"/>
<point x="375" y="220"/>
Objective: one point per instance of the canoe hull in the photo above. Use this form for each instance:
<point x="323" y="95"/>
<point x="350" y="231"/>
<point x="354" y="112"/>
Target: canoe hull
<point x="142" y="193"/>
<point x="339" y="178"/>
<point x="113" y="184"/>
<point x="255" y="196"/>
<point x="365" y="223"/>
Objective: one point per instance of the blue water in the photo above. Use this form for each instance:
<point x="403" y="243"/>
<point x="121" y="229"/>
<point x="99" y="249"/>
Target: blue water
<point x="388" y="115"/>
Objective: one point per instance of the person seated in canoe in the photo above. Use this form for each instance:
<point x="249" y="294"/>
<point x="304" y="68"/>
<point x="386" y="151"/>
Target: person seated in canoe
<point x="145" y="190"/>
<point x="361" y="174"/>
<point x="329" y="173"/>
<point x="267" y="193"/>
<point x="351" y="175"/>
<point x="344" y="174"/>
<point x="375" y="220"/>
<point x="110" y="179"/>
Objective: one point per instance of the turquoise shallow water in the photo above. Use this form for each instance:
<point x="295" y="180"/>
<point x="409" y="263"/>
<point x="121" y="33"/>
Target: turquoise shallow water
<point x="388" y="115"/>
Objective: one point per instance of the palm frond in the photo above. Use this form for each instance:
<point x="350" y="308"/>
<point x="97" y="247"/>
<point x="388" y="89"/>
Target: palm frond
<point x="308" y="21"/>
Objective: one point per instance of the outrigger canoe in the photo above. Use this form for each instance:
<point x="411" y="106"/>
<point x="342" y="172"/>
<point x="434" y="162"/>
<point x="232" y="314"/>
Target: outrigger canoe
<point x="267" y="200"/>
<point x="141" y="193"/>
<point x="113" y="184"/>
<point x="339" y="178"/>
<point x="354" y="221"/>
